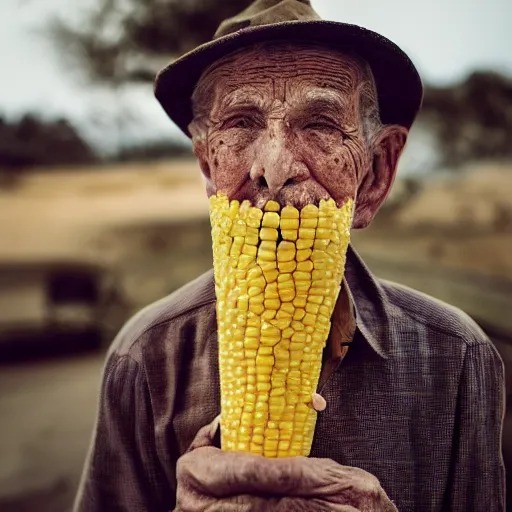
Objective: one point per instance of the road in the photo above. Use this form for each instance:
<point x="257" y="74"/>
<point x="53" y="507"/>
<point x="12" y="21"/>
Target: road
<point x="47" y="412"/>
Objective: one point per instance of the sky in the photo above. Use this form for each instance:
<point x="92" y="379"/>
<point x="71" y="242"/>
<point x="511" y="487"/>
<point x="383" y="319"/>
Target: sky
<point x="446" y="39"/>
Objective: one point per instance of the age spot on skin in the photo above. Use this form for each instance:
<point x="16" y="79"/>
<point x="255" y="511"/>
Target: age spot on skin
<point x="336" y="160"/>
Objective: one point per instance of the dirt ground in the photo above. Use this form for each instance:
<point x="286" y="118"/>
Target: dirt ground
<point x="47" y="410"/>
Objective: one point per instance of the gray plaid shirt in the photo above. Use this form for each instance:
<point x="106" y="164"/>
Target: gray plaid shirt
<point x="418" y="401"/>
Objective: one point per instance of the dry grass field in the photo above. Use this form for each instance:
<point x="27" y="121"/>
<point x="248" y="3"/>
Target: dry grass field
<point x="149" y="222"/>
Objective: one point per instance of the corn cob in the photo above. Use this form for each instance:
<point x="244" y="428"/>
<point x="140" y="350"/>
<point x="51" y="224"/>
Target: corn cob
<point x="277" y="277"/>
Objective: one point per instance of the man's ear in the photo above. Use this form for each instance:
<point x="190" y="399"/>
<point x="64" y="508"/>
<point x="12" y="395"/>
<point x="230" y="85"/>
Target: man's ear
<point x="200" y="150"/>
<point x="376" y="184"/>
<point x="200" y="147"/>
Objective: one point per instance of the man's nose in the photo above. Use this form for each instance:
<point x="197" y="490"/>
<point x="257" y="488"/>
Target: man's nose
<point x="277" y="162"/>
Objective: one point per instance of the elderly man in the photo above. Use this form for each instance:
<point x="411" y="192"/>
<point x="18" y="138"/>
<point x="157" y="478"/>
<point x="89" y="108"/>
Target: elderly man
<point x="288" y="111"/>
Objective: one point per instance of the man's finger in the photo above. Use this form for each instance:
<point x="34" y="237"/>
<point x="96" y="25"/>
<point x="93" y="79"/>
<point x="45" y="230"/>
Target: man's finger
<point x="224" y="474"/>
<point x="221" y="475"/>
<point x="205" y="435"/>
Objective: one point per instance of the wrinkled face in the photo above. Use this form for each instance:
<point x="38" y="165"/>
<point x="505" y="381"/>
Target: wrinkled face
<point x="286" y="123"/>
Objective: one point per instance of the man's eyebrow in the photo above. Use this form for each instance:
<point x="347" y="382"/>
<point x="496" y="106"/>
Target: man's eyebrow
<point x="242" y="99"/>
<point x="325" y="105"/>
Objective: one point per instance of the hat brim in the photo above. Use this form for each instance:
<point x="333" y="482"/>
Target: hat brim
<point x="399" y="87"/>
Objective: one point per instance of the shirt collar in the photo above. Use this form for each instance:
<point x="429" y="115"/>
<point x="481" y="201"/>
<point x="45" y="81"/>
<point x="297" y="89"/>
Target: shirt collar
<point x="343" y="324"/>
<point x="369" y="303"/>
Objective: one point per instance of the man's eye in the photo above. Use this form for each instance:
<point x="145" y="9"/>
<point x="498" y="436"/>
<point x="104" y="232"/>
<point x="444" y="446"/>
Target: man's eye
<point x="321" y="125"/>
<point x="242" y="122"/>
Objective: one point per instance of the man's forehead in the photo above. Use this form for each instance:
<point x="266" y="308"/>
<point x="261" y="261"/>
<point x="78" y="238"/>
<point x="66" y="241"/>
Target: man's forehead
<point x="279" y="91"/>
<point x="277" y="68"/>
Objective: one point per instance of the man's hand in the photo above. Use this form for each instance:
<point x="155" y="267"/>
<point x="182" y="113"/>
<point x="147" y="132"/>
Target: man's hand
<point x="214" y="480"/>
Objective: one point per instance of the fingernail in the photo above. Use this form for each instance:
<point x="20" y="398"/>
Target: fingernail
<point x="318" y="402"/>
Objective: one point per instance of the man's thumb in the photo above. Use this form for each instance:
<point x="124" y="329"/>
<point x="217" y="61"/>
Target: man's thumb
<point x="205" y="435"/>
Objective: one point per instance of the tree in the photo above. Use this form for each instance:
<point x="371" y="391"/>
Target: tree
<point x="473" y="119"/>
<point x="32" y="142"/>
<point x="130" y="40"/>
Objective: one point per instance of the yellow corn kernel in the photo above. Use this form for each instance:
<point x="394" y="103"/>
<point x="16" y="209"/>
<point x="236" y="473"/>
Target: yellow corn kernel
<point x="243" y="303"/>
<point x="288" y="223"/>
<point x="287" y="308"/>
<point x="283" y="278"/>
<point x="312" y="308"/>
<point x="253" y="273"/>
<point x="269" y="330"/>
<point x="268" y="245"/>
<point x="301" y="276"/>
<point x="305" y="266"/>
<point x="310" y="211"/>
<point x="321" y="244"/>
<point x="252" y="231"/>
<point x="251" y="239"/>
<point x="254" y="291"/>
<point x="287" y="295"/>
<point x="283" y="255"/>
<point x="272" y="304"/>
<point x="289" y="234"/>
<point x="271" y="275"/>
<point x="289" y="212"/>
<point x="271" y="291"/>
<point x="267" y="233"/>
<point x="238" y="228"/>
<point x="303" y="254"/>
<point x="266" y="255"/>
<point x="267" y="265"/>
<point x="286" y="251"/>
<point x="253" y="221"/>
<point x="251" y="331"/>
<point x="304" y="243"/>
<point x="244" y="261"/>
<point x="323" y="233"/>
<point x="286" y="266"/>
<point x="258" y="282"/>
<point x="270" y="220"/>
<point x="256" y="308"/>
<point x="281" y="323"/>
<point x="253" y="320"/>
<point x="268" y="314"/>
<point x="306" y="234"/>
<point x="302" y="286"/>
<point x="272" y="206"/>
<point x="309" y="223"/>
<point x="251" y="343"/>
<point x="300" y="300"/>
<point x="309" y="319"/>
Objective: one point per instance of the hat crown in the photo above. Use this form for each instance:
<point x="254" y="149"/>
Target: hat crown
<point x="268" y="12"/>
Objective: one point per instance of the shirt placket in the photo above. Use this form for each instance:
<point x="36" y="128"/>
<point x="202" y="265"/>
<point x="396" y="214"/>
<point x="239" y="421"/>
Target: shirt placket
<point x="341" y="336"/>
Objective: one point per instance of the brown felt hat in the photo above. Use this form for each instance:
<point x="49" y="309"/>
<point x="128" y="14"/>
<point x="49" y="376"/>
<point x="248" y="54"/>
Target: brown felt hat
<point x="399" y="87"/>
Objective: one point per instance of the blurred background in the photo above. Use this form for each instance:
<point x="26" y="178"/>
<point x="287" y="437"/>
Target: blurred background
<point x="102" y="209"/>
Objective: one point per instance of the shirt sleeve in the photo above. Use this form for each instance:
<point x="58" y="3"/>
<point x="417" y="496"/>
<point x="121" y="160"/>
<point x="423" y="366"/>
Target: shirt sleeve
<point x="122" y="471"/>
<point x="478" y="473"/>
